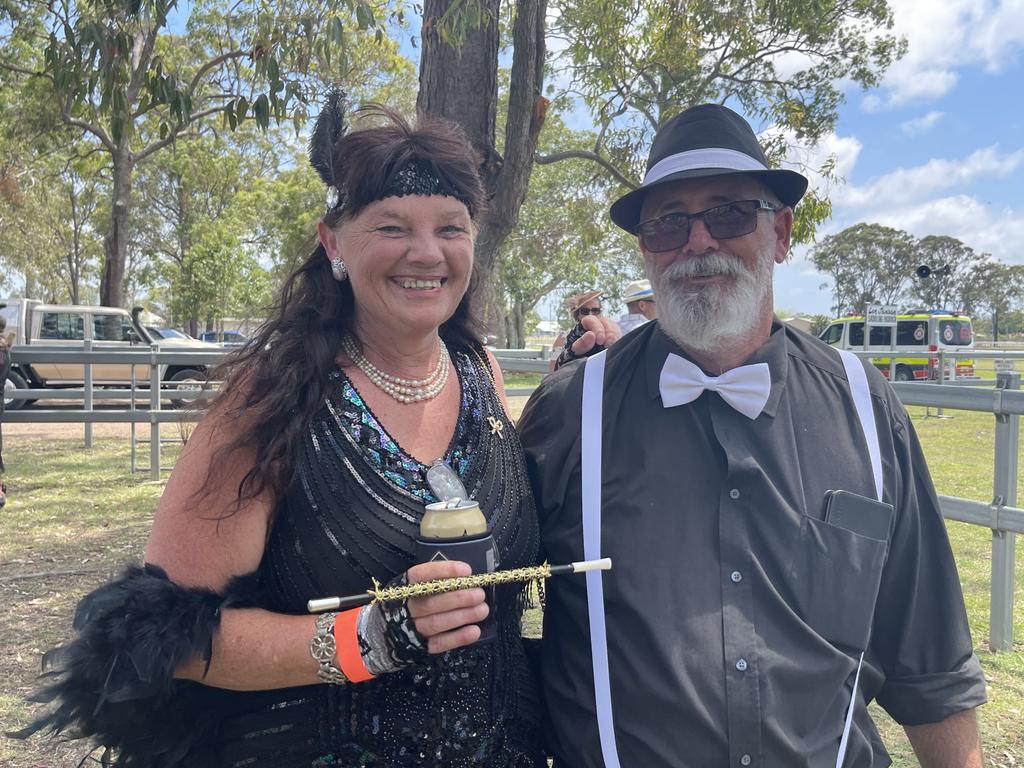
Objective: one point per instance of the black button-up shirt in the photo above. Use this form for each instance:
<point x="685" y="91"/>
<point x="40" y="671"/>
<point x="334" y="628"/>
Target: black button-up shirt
<point x="735" y="613"/>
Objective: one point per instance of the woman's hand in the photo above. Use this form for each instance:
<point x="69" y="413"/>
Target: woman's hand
<point x="447" y="620"/>
<point x="599" y="330"/>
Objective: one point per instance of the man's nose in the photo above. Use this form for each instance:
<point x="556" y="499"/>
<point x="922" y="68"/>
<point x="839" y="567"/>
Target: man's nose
<point x="700" y="239"/>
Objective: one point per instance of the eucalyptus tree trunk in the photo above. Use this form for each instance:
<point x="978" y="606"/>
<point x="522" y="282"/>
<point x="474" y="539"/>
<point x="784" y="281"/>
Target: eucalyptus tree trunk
<point x="461" y="84"/>
<point x="115" y="242"/>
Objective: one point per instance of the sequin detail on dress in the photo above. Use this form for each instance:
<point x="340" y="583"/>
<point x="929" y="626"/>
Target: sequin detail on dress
<point x="395" y="465"/>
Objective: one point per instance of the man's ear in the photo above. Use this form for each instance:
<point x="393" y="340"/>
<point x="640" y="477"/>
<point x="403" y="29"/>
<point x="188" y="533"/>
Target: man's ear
<point x="783" y="232"/>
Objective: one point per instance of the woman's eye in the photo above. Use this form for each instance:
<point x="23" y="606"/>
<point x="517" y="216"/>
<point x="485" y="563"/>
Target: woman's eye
<point x="389" y="229"/>
<point x="453" y="229"/>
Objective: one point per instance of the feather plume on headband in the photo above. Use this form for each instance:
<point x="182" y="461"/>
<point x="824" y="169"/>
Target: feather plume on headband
<point x="329" y="128"/>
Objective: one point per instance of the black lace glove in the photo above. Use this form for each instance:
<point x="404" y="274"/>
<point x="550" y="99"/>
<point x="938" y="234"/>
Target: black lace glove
<point x="567" y="355"/>
<point x="388" y="640"/>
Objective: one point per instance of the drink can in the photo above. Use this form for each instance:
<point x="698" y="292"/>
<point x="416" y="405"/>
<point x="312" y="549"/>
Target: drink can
<point x="457" y="530"/>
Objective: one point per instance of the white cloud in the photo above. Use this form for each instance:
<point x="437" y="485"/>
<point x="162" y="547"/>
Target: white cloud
<point x="945" y="36"/>
<point x="913" y="185"/>
<point x="985" y="228"/>
<point x="843" y="150"/>
<point x="922" y="124"/>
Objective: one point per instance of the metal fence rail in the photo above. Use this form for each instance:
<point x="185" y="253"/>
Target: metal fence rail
<point x="1004" y="401"/>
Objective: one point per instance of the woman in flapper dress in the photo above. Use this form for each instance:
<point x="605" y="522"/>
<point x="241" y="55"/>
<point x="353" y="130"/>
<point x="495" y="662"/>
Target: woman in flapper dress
<point x="307" y="477"/>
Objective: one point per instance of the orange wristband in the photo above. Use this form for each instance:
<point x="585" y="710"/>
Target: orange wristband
<point x="350" y="659"/>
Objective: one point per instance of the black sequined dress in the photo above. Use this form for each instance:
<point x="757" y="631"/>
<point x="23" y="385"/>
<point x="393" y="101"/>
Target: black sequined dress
<point x="351" y="515"/>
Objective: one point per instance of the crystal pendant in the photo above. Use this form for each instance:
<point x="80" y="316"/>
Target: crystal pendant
<point x="444" y="482"/>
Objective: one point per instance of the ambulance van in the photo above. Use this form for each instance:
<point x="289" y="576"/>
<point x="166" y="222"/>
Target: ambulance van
<point x="920" y="335"/>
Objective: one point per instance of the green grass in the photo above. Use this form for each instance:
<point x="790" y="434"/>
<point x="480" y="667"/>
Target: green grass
<point x="514" y="380"/>
<point x="79" y="511"/>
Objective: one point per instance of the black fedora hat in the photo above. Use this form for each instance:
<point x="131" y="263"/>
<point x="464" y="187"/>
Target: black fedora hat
<point x="706" y="140"/>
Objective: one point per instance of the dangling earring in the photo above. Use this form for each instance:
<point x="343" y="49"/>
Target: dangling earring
<point x="339" y="270"/>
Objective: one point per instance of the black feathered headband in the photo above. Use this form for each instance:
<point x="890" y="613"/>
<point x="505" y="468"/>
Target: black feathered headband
<point x="419" y="176"/>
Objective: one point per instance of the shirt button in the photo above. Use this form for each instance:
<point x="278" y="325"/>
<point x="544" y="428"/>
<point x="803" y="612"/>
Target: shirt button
<point x="734" y="493"/>
<point x="736" y="577"/>
<point x="745" y="760"/>
<point x="741" y="665"/>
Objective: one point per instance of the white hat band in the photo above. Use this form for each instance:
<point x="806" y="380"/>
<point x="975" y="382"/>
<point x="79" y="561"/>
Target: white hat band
<point x="729" y="159"/>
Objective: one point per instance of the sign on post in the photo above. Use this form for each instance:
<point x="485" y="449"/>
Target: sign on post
<point x="882" y="314"/>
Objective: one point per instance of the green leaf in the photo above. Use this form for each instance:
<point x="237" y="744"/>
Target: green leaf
<point x="261" y="111"/>
<point x="337" y="31"/>
<point x="364" y="16"/>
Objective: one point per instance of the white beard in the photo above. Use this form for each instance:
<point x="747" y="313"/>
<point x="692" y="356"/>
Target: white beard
<point x="714" y="315"/>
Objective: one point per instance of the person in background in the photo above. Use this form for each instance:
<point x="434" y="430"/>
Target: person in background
<point x="306" y="478"/>
<point x="640" y="307"/>
<point x="592" y="332"/>
<point x="780" y="557"/>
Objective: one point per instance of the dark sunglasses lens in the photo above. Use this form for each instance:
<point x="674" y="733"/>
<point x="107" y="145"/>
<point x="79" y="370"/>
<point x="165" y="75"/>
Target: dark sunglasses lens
<point x="732" y="220"/>
<point x="665" y="234"/>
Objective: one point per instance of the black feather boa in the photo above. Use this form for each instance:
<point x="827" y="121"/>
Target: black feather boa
<point x="114" y="682"/>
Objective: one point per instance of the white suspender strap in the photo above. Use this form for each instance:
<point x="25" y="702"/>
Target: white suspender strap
<point x="590" y="457"/>
<point x="865" y="413"/>
<point x="862" y="401"/>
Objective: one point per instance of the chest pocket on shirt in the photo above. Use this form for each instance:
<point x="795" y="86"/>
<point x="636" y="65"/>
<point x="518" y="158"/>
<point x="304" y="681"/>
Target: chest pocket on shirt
<point x="836" y="575"/>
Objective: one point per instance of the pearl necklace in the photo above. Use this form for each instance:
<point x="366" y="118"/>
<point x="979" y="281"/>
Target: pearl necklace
<point x="402" y="390"/>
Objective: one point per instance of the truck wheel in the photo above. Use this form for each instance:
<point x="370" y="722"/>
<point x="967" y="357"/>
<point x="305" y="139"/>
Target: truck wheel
<point x="15" y="381"/>
<point x="190" y="383"/>
<point x="903" y="373"/>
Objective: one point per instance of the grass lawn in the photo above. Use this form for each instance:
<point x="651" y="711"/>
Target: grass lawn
<point x="75" y="516"/>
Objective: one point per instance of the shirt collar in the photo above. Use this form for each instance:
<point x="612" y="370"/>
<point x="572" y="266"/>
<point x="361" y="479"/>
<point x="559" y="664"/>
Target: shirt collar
<point x="775" y="352"/>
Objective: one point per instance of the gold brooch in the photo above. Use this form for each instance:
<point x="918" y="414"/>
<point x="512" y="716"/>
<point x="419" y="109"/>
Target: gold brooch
<point x="497" y="425"/>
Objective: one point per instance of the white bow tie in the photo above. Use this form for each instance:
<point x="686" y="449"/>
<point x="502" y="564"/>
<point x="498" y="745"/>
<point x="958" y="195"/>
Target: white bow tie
<point x="745" y="388"/>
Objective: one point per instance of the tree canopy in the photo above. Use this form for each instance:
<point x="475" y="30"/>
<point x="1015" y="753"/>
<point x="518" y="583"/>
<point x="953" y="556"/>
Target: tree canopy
<point x="145" y="94"/>
<point x="870" y="264"/>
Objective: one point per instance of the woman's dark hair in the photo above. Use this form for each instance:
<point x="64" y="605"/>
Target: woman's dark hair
<point x="275" y="384"/>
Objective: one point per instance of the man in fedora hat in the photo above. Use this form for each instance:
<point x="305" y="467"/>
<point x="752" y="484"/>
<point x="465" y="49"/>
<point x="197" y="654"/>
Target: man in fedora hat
<point x="779" y="556"/>
<point x="640" y="307"/>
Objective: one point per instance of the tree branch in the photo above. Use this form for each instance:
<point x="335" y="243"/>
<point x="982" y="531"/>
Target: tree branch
<point x="19" y="71"/>
<point x="212" y="64"/>
<point x="179" y="133"/>
<point x="585" y="155"/>
<point x="88" y="127"/>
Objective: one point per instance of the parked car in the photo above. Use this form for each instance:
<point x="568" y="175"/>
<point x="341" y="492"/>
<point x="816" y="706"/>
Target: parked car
<point x="34" y="324"/>
<point x="226" y="338"/>
<point x="169" y="334"/>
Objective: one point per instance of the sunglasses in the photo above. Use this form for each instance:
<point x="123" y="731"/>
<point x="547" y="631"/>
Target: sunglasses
<point x="588" y="311"/>
<point x="672" y="231"/>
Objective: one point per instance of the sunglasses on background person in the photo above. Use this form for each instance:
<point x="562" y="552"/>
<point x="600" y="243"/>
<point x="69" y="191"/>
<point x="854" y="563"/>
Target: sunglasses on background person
<point x="672" y="231"/>
<point x="588" y="311"/>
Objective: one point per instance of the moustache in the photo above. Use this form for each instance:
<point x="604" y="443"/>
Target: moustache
<point x="706" y="265"/>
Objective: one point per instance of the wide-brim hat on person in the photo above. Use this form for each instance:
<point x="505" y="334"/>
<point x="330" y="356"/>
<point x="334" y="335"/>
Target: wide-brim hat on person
<point x="706" y="140"/>
<point x="577" y="301"/>
<point x="638" y="290"/>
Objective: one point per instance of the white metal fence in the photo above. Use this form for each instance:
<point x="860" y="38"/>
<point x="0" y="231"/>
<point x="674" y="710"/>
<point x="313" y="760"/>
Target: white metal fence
<point x="1002" y="398"/>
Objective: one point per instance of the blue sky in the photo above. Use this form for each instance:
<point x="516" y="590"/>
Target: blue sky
<point x="939" y="148"/>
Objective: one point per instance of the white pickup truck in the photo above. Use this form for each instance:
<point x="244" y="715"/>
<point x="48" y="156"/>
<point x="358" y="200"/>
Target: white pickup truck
<point x="34" y="324"/>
